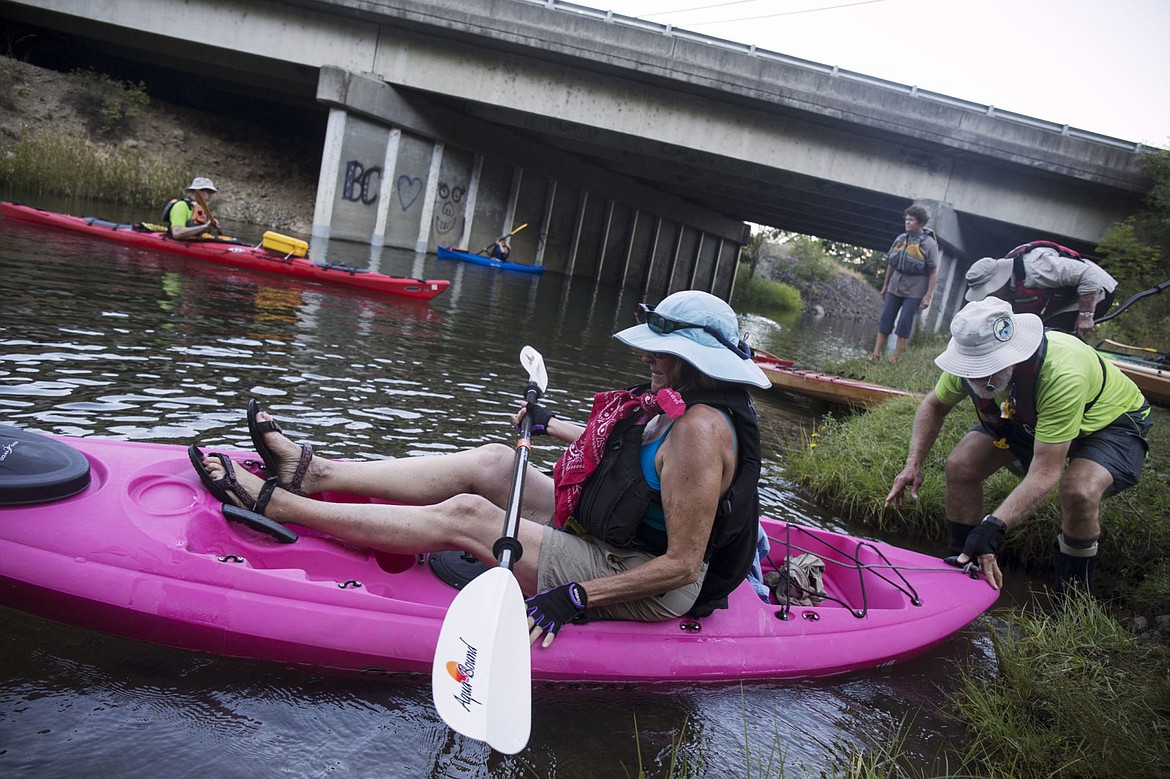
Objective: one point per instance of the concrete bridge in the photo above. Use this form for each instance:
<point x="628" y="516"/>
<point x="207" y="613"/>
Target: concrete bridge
<point x="634" y="151"/>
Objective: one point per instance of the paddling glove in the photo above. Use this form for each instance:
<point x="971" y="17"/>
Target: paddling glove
<point x="984" y="537"/>
<point x="541" y="416"/>
<point x="552" y="608"/>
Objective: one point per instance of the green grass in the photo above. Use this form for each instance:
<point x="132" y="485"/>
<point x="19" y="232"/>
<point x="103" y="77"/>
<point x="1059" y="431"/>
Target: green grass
<point x="1075" y="695"/>
<point x="763" y="296"/>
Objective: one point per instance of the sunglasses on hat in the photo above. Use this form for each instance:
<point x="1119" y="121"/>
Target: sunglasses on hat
<point x="646" y="315"/>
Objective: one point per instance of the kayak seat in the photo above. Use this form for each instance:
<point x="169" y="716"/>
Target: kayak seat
<point x="37" y="469"/>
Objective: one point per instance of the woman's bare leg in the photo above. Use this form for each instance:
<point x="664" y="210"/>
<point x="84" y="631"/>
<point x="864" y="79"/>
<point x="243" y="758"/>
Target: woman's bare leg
<point x="485" y="471"/>
<point x="464" y="522"/>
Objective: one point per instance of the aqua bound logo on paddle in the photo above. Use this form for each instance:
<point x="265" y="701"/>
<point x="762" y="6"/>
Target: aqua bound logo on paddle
<point x="464" y="674"/>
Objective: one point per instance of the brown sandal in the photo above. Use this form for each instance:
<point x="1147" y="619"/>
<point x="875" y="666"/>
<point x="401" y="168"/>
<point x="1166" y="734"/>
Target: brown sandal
<point x="221" y="487"/>
<point x="270" y="463"/>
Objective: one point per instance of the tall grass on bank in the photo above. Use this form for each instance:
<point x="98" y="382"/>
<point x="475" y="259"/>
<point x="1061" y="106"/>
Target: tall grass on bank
<point x="76" y="167"/>
<point x="763" y="296"/>
<point x="1076" y="695"/>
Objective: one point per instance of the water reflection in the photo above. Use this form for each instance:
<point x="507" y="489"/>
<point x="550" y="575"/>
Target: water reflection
<point x="98" y="339"/>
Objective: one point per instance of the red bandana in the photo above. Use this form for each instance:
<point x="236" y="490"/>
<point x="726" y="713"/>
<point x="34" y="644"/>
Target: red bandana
<point x="584" y="454"/>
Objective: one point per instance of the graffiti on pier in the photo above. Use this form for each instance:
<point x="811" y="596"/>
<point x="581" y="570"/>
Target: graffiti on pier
<point x="409" y="188"/>
<point x="361" y="183"/>
<point x="448" y="214"/>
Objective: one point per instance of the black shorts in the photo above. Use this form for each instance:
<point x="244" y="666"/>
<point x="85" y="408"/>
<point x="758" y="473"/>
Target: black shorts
<point x="1120" y="447"/>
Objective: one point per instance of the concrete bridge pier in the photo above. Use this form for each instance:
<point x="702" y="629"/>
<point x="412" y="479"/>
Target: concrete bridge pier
<point x="399" y="171"/>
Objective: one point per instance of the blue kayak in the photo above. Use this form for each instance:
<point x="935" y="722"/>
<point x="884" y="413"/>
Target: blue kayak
<point x="447" y="253"/>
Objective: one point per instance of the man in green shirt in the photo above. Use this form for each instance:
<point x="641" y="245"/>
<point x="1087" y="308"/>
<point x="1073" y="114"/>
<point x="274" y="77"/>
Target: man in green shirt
<point x="1042" y="398"/>
<point x="190" y="217"/>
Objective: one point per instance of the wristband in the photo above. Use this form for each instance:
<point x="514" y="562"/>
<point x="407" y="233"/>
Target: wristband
<point x="1085" y="314"/>
<point x="984" y="537"/>
<point x="991" y="519"/>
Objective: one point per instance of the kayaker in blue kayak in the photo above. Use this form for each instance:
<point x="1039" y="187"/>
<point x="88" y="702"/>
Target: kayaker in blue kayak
<point x="190" y="218"/>
<point x="501" y="250"/>
<point x="651" y="513"/>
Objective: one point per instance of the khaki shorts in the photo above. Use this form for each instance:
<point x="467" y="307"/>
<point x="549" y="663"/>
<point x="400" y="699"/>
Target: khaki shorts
<point x="567" y="557"/>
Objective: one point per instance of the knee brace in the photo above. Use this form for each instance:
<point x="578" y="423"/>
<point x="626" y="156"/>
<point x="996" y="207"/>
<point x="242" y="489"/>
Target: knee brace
<point x="1077" y="547"/>
<point x="1073" y="560"/>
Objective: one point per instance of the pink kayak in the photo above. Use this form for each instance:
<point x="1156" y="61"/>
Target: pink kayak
<point x="232" y="253"/>
<point x="121" y="537"/>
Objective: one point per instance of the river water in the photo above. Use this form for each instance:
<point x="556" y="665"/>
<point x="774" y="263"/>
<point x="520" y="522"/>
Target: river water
<point x="98" y="339"/>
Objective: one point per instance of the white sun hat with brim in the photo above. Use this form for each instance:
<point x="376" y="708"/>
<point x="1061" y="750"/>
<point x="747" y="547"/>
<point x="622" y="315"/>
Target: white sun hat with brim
<point x="202" y="183"/>
<point x="986" y="276"/>
<point x="987" y="337"/>
<point x="720" y="359"/>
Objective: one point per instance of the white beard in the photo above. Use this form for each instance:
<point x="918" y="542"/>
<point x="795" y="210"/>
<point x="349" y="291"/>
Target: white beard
<point x="996" y="383"/>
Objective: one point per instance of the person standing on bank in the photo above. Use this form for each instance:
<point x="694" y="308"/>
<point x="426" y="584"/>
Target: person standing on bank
<point x="1042" y="397"/>
<point x="651" y="513"/>
<point x="911" y="275"/>
<point x="190" y="217"/>
<point x="1067" y="292"/>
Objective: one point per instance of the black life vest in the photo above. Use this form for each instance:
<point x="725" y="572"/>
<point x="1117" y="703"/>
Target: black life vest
<point x="198" y="215"/>
<point x="1041" y="301"/>
<point x="615" y="496"/>
<point x="1021" y="399"/>
<point x="1021" y="414"/>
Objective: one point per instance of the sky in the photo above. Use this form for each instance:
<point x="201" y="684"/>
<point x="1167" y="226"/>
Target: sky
<point x="1097" y="65"/>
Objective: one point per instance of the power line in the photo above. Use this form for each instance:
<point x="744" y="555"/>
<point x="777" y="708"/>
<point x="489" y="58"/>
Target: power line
<point x="754" y="18"/>
<point x="699" y="8"/>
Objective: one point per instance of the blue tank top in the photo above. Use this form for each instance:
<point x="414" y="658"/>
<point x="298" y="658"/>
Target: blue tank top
<point x="654" y="516"/>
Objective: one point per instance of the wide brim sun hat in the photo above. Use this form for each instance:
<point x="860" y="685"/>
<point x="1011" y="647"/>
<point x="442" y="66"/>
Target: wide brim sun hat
<point x="696" y="345"/>
<point x="987" y="337"/>
<point x="986" y="276"/>
<point x="202" y="183"/>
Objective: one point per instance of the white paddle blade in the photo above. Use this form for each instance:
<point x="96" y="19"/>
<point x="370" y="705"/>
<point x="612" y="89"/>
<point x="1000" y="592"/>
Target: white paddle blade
<point x="481" y="680"/>
<point x="534" y="364"/>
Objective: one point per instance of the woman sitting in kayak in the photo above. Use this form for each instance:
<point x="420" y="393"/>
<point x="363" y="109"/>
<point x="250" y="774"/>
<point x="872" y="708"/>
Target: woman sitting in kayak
<point x="649" y="531"/>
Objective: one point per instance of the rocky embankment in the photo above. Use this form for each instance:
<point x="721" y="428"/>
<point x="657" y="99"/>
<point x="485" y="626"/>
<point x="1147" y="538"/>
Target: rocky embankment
<point x="843" y="295"/>
<point x="264" y="176"/>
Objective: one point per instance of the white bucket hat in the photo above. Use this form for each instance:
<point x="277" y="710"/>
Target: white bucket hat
<point x="986" y="276"/>
<point x="987" y="337"/>
<point x="701" y="329"/>
<point x="202" y="183"/>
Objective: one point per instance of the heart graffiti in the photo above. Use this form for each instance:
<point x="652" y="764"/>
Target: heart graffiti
<point x="409" y="189"/>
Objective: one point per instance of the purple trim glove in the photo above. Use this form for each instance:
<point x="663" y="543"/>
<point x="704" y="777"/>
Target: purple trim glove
<point x="549" y="610"/>
<point x="541" y="416"/>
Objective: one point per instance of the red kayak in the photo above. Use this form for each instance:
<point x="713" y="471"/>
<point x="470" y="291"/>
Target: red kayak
<point x="231" y="252"/>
